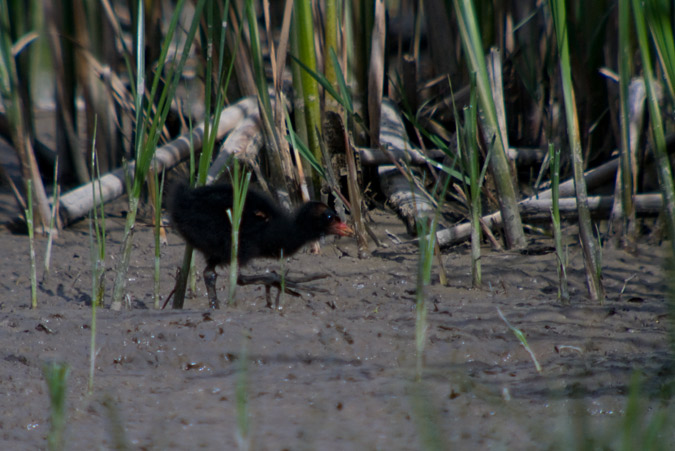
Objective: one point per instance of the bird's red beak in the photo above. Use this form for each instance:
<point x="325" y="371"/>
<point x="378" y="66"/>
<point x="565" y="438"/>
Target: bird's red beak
<point x="340" y="228"/>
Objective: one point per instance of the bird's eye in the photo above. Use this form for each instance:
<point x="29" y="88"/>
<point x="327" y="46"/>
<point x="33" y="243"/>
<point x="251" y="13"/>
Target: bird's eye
<point x="328" y="215"/>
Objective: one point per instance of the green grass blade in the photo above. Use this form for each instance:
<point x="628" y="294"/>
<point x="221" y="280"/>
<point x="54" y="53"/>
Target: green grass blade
<point x="521" y="338"/>
<point x="56" y="376"/>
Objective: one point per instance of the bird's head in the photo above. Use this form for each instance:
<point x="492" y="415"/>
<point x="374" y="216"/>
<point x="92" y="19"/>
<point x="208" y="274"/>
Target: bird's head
<point x="320" y="219"/>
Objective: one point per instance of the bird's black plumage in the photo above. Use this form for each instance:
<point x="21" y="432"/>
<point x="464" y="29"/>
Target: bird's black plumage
<point x="200" y="216"/>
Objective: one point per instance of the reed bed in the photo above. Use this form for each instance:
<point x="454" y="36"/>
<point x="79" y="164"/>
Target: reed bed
<point x="537" y="83"/>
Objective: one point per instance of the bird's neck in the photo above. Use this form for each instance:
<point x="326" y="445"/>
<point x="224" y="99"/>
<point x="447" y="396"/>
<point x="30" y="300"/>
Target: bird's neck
<point x="296" y="235"/>
<point x="285" y="235"/>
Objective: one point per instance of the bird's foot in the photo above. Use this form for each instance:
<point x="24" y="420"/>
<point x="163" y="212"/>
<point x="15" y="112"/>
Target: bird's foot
<point x="210" y="277"/>
<point x="290" y="286"/>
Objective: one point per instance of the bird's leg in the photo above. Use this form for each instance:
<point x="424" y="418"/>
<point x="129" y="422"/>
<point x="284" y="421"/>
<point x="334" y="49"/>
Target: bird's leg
<point x="267" y="296"/>
<point x="210" y="277"/>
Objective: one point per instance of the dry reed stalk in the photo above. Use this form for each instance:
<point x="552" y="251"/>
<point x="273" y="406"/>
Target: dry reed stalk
<point x="376" y="73"/>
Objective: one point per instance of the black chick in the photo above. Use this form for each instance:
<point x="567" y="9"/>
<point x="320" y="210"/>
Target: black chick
<point x="200" y="215"/>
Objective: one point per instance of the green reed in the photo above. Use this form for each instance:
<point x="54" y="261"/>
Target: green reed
<point x="97" y="237"/>
<point x="304" y="24"/>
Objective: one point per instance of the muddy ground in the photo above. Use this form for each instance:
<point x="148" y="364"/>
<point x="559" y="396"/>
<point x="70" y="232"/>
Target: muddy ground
<point x="334" y="370"/>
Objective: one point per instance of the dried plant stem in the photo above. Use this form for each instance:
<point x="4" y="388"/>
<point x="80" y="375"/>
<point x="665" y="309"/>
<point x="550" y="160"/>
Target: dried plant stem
<point x="376" y="73"/>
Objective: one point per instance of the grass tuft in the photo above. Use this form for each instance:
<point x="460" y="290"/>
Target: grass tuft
<point x="56" y="375"/>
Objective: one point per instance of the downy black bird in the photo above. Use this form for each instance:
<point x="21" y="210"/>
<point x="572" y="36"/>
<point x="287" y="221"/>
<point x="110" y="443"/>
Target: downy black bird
<point x="200" y="215"/>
